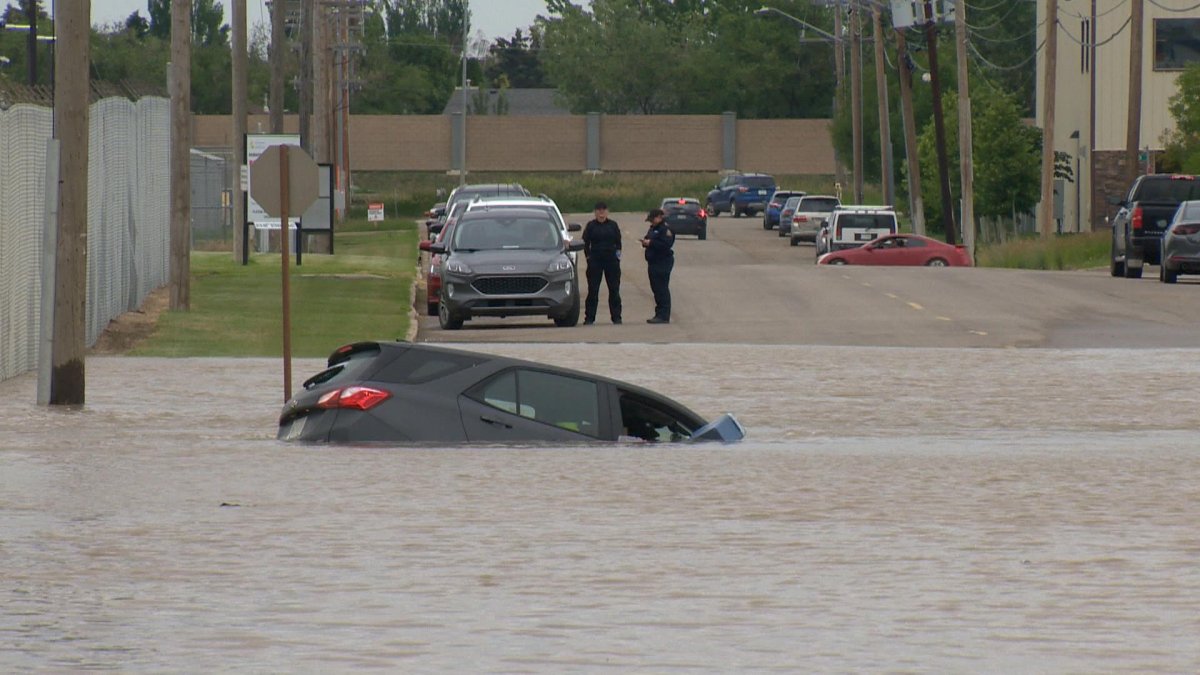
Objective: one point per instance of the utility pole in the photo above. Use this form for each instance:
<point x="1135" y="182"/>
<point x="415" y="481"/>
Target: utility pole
<point x="239" y="66"/>
<point x="915" y="201"/>
<point x="72" y="23"/>
<point x="277" y="58"/>
<point x="839" y="70"/>
<point x="181" y="151"/>
<point x="1133" y="126"/>
<point x="320" y="86"/>
<point x="856" y="99"/>
<point x="31" y="16"/>
<point x="966" y="163"/>
<point x="939" y="125"/>
<point x="885" y="116"/>
<point x="306" y="76"/>
<point x="1046" y="208"/>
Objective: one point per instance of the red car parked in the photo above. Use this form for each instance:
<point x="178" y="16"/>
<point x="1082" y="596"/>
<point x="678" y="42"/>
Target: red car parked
<point x="433" y="280"/>
<point x="901" y="249"/>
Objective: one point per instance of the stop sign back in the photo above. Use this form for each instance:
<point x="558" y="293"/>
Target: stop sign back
<point x="302" y="181"/>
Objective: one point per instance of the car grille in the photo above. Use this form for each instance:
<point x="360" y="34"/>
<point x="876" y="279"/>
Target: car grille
<point x="509" y="285"/>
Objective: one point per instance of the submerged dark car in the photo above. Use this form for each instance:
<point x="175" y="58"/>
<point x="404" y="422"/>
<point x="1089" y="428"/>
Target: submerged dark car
<point x="398" y="392"/>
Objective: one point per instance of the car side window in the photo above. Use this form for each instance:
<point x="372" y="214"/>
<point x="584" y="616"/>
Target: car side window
<point x="570" y="403"/>
<point x="912" y="242"/>
<point x="647" y="420"/>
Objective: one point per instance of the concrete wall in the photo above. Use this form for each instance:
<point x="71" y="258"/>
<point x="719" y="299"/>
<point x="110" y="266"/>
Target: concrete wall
<point x="543" y="143"/>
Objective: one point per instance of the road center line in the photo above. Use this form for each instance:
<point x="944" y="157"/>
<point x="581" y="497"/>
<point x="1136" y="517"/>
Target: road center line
<point x="916" y="307"/>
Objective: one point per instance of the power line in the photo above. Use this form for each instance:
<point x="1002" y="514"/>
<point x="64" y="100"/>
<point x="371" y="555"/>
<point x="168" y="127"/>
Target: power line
<point x="1177" y="11"/>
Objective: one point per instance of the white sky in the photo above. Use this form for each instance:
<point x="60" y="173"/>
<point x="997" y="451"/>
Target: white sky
<point x="496" y="18"/>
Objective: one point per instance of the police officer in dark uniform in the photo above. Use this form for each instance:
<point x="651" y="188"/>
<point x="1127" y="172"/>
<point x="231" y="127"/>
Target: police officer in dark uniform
<point x="602" y="249"/>
<point x="660" y="260"/>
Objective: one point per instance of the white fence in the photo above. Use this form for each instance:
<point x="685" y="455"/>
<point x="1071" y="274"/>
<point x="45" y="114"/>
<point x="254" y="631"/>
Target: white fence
<point x="128" y="217"/>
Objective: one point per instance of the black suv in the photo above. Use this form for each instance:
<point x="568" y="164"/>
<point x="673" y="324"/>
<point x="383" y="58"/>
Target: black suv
<point x="740" y="193"/>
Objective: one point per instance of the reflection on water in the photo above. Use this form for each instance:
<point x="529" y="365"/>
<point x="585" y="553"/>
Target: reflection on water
<point x="955" y="510"/>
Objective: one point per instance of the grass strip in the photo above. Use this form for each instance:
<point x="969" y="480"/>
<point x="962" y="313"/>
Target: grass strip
<point x="362" y="292"/>
<point x="1060" y="252"/>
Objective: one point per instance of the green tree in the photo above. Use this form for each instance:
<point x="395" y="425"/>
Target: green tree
<point x="517" y="60"/>
<point x="1007" y="158"/>
<point x="1183" y="145"/>
<point x="207" y="18"/>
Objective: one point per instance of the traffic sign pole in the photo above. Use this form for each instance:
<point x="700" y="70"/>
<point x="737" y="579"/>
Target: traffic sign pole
<point x="284" y="235"/>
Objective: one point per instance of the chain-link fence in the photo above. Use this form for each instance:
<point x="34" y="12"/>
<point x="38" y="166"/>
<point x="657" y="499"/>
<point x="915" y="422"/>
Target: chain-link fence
<point x="128" y="217"/>
<point x="212" y="198"/>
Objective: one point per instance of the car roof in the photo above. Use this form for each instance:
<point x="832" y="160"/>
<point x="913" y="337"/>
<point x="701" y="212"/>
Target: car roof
<point x="859" y="208"/>
<point x="497" y="363"/>
<point x="502" y="200"/>
<point x="484" y="213"/>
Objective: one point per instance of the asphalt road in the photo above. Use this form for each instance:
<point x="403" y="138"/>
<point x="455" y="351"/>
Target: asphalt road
<point x="746" y="285"/>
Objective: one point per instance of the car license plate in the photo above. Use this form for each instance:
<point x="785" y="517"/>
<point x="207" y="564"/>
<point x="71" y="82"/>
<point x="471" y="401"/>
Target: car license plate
<point x="864" y="236"/>
<point x="680" y="216"/>
<point x="762" y="192"/>
<point x="296" y="429"/>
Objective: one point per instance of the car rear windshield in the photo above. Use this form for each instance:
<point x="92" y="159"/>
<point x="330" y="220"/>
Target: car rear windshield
<point x="818" y="205"/>
<point x="686" y="207"/>
<point x="758" y="181"/>
<point x="348" y="369"/>
<point x="1168" y="190"/>
<point x="501" y="233"/>
<point x="867" y="220"/>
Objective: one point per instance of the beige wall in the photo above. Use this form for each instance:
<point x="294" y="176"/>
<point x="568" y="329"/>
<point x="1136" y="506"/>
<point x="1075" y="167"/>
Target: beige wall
<point x="559" y="143"/>
<point x="785" y="146"/>
<point x="545" y="143"/>
<point x="660" y="143"/>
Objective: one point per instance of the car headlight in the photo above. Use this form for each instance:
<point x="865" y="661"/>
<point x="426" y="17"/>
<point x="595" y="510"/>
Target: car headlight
<point x="560" y="264"/>
<point x="457" y="267"/>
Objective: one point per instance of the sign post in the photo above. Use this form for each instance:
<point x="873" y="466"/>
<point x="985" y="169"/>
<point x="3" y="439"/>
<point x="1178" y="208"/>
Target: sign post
<point x="283" y="180"/>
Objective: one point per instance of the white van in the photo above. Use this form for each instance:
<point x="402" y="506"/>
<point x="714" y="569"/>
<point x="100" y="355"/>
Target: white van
<point x="853" y="226"/>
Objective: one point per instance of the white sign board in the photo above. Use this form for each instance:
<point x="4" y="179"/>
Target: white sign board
<point x="256" y="145"/>
<point x="909" y="13"/>
<point x="375" y="212"/>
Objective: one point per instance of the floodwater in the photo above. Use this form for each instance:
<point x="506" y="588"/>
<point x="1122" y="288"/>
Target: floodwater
<point x="891" y="510"/>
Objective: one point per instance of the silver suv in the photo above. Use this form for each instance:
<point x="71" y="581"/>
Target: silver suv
<point x="810" y="214"/>
<point x="507" y="262"/>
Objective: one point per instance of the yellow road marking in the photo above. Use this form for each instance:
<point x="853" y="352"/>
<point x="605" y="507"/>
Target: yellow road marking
<point x="892" y="296"/>
<point x="944" y="318"/>
<point x="867" y="284"/>
<point x="916" y="307"/>
<point x="978" y="332"/>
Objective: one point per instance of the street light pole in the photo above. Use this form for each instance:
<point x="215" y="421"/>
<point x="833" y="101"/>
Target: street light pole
<point x="837" y="41"/>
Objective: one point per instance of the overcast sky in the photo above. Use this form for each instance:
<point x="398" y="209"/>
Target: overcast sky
<point x="496" y="18"/>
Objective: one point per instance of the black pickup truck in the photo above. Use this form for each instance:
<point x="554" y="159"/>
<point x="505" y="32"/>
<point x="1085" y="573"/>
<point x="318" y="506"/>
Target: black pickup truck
<point x="1145" y="213"/>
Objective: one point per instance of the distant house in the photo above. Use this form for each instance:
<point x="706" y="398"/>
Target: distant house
<point x="520" y="101"/>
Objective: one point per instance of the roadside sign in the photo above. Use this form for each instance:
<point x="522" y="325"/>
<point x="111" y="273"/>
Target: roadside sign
<point x="256" y="144"/>
<point x="375" y="212"/>
<point x="265" y="179"/>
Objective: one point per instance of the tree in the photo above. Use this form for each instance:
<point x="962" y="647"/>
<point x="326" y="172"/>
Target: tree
<point x="1183" y="145"/>
<point x="207" y="18"/>
<point x="517" y="60"/>
<point x="1006" y="154"/>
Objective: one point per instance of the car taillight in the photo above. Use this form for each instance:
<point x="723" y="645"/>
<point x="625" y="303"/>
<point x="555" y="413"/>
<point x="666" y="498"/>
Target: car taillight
<point x="703" y="213"/>
<point x="800" y="219"/>
<point x="1188" y="229"/>
<point x="742" y="188"/>
<point x="1136" y="220"/>
<point x="361" y="398"/>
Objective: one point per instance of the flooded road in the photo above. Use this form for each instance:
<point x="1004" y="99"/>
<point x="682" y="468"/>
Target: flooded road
<point x="891" y="509"/>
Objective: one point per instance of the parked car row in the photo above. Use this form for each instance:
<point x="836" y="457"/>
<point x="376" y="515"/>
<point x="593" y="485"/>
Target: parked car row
<point x="1156" y="223"/>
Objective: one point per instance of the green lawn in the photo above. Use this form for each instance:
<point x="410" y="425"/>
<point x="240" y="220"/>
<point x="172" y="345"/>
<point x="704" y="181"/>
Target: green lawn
<point x="360" y="293"/>
<point x="1060" y="252"/>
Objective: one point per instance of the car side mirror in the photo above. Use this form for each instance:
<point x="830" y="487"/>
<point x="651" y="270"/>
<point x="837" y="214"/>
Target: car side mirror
<point x="574" y="227"/>
<point x="1116" y="201"/>
<point x="437" y="248"/>
<point x="425" y="244"/>
<point x="575" y="245"/>
<point x="436" y="228"/>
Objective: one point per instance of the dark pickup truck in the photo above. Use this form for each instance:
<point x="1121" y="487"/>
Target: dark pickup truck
<point x="1145" y="213"/>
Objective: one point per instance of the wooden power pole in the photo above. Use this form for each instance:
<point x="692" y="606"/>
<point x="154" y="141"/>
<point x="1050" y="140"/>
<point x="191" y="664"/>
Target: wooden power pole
<point x="915" y="201"/>
<point x="181" y="151"/>
<point x="965" y="142"/>
<point x="885" y="116"/>
<point x="856" y="100"/>
<point x="939" y="125"/>
<point x="839" y="77"/>
<point x="1046" y="208"/>
<point x="278" y="53"/>
<point x="72" y="21"/>
<point x="1133" y="122"/>
<point x="239" y="127"/>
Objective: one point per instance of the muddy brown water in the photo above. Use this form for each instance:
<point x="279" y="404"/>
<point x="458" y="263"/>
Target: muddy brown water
<point x="892" y="509"/>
